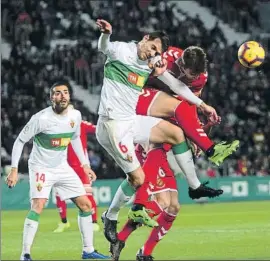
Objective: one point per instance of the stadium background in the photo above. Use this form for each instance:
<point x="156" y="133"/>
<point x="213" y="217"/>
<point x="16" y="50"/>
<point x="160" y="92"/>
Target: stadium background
<point x="43" y="41"/>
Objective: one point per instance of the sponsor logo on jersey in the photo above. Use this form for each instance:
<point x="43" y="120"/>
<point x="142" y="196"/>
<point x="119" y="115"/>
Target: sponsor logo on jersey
<point x="59" y="142"/>
<point x="72" y="123"/>
<point x="136" y="79"/>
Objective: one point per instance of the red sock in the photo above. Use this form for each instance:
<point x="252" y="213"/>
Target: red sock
<point x="151" y="167"/>
<point x="153" y="208"/>
<point x="94" y="208"/>
<point x="186" y="116"/>
<point x="62" y="208"/>
<point x="126" y="231"/>
<point x="141" y="196"/>
<point x="165" y="221"/>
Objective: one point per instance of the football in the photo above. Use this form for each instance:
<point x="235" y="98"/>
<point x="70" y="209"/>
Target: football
<point x="251" y="54"/>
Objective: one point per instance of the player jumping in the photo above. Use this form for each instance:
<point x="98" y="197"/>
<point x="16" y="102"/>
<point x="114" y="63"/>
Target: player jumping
<point x="126" y="71"/>
<point x="164" y="201"/>
<point x="53" y="129"/>
<point x="160" y="104"/>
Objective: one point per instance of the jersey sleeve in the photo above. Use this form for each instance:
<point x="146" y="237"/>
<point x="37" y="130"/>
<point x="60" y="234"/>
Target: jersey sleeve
<point x="89" y="127"/>
<point x="78" y="128"/>
<point x="111" y="49"/>
<point x="32" y="128"/>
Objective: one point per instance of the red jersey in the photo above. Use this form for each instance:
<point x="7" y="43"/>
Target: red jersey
<point x="172" y="56"/>
<point x="86" y="128"/>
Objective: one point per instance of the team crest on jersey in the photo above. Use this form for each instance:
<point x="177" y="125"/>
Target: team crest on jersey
<point x="39" y="187"/>
<point x="72" y="123"/>
<point x="160" y="183"/>
<point x="129" y="158"/>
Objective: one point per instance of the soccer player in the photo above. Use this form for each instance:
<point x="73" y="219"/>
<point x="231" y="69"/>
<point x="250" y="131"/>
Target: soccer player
<point x="126" y="70"/>
<point x="160" y="104"/>
<point x="73" y="161"/>
<point x="53" y="128"/>
<point x="164" y="202"/>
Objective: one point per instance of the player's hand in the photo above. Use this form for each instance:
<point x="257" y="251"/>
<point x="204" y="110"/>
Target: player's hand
<point x="210" y="112"/>
<point x="158" y="65"/>
<point x="104" y="26"/>
<point x="211" y="122"/>
<point x="12" y="178"/>
<point x="88" y="171"/>
<point x="194" y="148"/>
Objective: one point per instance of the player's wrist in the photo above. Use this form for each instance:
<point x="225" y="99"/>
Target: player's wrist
<point x="201" y="104"/>
<point x="86" y="165"/>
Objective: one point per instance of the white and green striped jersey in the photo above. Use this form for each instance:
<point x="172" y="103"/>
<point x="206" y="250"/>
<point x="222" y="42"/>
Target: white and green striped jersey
<point x="124" y="77"/>
<point x="52" y="134"/>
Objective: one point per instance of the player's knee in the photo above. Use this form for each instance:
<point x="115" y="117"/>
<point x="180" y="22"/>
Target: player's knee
<point x="174" y="208"/>
<point x="84" y="204"/>
<point x="136" y="178"/>
<point x="177" y="136"/>
<point x="163" y="203"/>
<point x="38" y="204"/>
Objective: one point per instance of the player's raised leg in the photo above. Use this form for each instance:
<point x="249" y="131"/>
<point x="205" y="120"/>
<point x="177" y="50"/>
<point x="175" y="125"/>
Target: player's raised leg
<point x="62" y="209"/>
<point x="166" y="106"/>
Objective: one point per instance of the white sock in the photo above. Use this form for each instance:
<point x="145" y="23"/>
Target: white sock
<point x="186" y="163"/>
<point x="121" y="197"/>
<point x="29" y="232"/>
<point x="86" y="228"/>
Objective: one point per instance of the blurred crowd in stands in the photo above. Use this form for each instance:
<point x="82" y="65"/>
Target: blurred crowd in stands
<point x="240" y="96"/>
<point x="242" y="15"/>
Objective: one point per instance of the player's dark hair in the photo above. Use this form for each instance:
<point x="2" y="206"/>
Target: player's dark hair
<point x="195" y="59"/>
<point x="164" y="38"/>
<point x="59" y="83"/>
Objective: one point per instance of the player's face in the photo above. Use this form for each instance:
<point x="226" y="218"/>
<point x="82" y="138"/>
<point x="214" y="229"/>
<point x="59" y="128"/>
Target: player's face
<point x="186" y="72"/>
<point x="60" y="98"/>
<point x="149" y="48"/>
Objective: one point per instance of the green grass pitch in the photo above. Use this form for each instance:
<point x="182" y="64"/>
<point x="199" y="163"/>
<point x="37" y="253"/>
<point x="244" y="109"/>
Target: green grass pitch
<point x="209" y="231"/>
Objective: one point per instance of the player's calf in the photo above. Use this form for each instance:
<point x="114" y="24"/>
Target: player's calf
<point x="31" y="224"/>
<point x="38" y="204"/>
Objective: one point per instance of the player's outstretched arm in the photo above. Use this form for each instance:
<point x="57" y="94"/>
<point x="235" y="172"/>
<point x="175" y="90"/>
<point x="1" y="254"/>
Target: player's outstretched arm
<point x="184" y="91"/>
<point x="104" y="39"/>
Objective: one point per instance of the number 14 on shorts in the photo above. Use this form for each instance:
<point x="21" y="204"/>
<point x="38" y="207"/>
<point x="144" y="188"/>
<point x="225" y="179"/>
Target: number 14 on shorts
<point x="40" y="180"/>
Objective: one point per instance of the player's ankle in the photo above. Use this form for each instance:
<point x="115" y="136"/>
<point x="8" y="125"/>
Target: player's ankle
<point x="137" y="207"/>
<point x="64" y="220"/>
<point x="210" y="152"/>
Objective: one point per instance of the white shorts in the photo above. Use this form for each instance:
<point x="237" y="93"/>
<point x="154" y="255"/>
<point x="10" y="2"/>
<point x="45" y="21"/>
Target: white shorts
<point x="118" y="138"/>
<point x="64" y="180"/>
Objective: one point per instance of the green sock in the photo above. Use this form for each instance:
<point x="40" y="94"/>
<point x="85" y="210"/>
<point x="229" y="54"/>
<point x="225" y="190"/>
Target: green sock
<point x="29" y="231"/>
<point x="32" y="215"/>
<point x="122" y="196"/>
<point x="84" y="214"/>
<point x="184" y="158"/>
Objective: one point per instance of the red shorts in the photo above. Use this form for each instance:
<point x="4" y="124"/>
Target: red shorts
<point x="165" y="181"/>
<point x="146" y="100"/>
<point x="83" y="177"/>
<point x="158" y="172"/>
